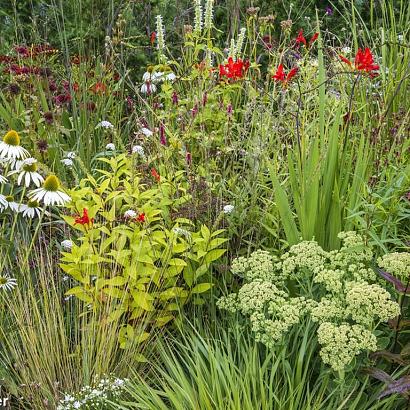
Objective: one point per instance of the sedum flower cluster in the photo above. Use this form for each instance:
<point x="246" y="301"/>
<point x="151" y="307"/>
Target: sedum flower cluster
<point x="94" y="397"/>
<point x="336" y="289"/>
<point x="396" y="263"/>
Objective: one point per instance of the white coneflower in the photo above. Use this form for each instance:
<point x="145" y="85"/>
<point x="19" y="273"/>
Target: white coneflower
<point x="232" y="49"/>
<point x="130" y="214"/>
<point x="198" y="17"/>
<point x="148" y="88"/>
<point x="71" y="155"/>
<point x="105" y="124"/>
<point x="2" y="179"/>
<point x="50" y="193"/>
<point x="209" y="14"/>
<point x="138" y="149"/>
<point x="160" y="33"/>
<point x="67" y="244"/>
<point x="147" y="132"/>
<point x="171" y="76"/>
<point x="31" y="209"/>
<point x="157" y="77"/>
<point x="240" y="42"/>
<point x="228" y="209"/>
<point x="7" y="283"/>
<point x="110" y="147"/>
<point x="67" y="162"/>
<point x="28" y="173"/>
<point x="10" y="147"/>
<point x="12" y="205"/>
<point x="3" y="202"/>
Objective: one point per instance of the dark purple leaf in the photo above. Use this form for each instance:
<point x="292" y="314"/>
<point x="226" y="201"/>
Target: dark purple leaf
<point x="391" y="357"/>
<point x="378" y="374"/>
<point x="401" y="386"/>
<point x="398" y="284"/>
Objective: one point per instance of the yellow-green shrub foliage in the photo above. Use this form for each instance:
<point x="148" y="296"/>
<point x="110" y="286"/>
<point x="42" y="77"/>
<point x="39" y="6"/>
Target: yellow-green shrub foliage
<point x="131" y="258"/>
<point x="335" y="289"/>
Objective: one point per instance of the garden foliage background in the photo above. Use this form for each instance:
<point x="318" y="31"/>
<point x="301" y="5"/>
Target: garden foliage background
<point x="204" y="204"/>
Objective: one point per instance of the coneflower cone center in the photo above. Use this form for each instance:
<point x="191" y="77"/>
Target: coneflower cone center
<point x="9" y="198"/>
<point x="12" y="138"/>
<point x="51" y="183"/>
<point x="33" y="204"/>
<point x="3" y="280"/>
<point x="30" y="167"/>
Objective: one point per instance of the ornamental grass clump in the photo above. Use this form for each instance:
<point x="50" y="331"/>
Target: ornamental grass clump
<point x="336" y="289"/>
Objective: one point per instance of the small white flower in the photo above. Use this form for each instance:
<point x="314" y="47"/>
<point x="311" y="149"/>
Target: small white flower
<point x="110" y="147"/>
<point x="67" y="244"/>
<point x="138" y="149"/>
<point x="346" y="50"/>
<point x="105" y="124"/>
<point x="71" y="155"/>
<point x="67" y="162"/>
<point x="400" y="37"/>
<point x="148" y="88"/>
<point x="7" y="283"/>
<point x="314" y="62"/>
<point x="228" y="209"/>
<point x="147" y="132"/>
<point x="130" y="214"/>
<point x="76" y="404"/>
<point x="28" y="173"/>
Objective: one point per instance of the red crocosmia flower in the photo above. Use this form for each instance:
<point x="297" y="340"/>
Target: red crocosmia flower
<point x="84" y="219"/>
<point x="155" y="174"/>
<point x="153" y="37"/>
<point x="280" y="74"/>
<point x="292" y="73"/>
<point x="345" y="60"/>
<point x="301" y="38"/>
<point x="99" y="88"/>
<point x="234" y="70"/>
<point x="313" y="39"/>
<point x="363" y="62"/>
<point x="141" y="217"/>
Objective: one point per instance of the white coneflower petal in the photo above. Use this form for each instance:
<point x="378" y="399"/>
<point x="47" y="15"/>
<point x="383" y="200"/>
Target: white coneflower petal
<point x="146" y="76"/>
<point x="7" y="283"/>
<point x="3" y="202"/>
<point x="49" y="193"/>
<point x="10" y="147"/>
<point x="2" y="179"/>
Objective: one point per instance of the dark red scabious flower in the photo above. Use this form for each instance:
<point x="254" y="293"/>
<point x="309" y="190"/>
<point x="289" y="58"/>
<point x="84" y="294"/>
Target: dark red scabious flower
<point x="62" y="99"/>
<point x="22" y="51"/>
<point x="204" y="99"/>
<point x="91" y="106"/>
<point x="194" y="110"/>
<point x="155" y="174"/>
<point x="363" y="61"/>
<point x="162" y="137"/>
<point x="6" y="59"/>
<point x="84" y="219"/>
<point x="98" y="88"/>
<point x="14" y="88"/>
<point x="188" y="158"/>
<point x="141" y="217"/>
<point x="234" y="70"/>
<point x="152" y="38"/>
<point x="75" y="86"/>
<point x="42" y="146"/>
<point x="48" y="117"/>
<point x="174" y="98"/>
<point x="267" y="42"/>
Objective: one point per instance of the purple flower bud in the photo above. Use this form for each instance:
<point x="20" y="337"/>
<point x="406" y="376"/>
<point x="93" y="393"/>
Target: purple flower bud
<point x="175" y="98"/>
<point x="162" y="138"/>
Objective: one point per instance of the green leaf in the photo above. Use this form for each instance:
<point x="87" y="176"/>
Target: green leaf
<point x="201" y="287"/>
<point x="214" y="255"/>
